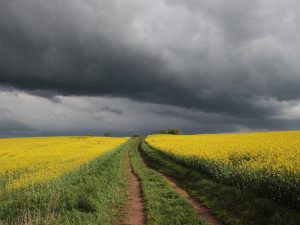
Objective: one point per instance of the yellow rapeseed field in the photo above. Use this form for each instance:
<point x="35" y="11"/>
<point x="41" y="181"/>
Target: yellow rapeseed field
<point x="275" y="152"/>
<point x="25" y="161"/>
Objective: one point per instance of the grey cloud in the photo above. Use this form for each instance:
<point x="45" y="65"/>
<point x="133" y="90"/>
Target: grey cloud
<point x="113" y="110"/>
<point x="13" y="125"/>
<point x="83" y="115"/>
<point x="4" y="110"/>
<point x="208" y="58"/>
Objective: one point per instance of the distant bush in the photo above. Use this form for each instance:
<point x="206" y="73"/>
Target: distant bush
<point x="164" y="131"/>
<point x="107" y="134"/>
<point x="137" y="135"/>
<point x="89" y="135"/>
<point x="175" y="131"/>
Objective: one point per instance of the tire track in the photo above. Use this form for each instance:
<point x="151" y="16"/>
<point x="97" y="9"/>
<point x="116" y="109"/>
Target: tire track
<point x="199" y="207"/>
<point x="135" y="209"/>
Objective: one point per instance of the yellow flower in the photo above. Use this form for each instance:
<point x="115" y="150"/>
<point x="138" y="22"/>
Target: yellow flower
<point x="26" y="161"/>
<point x="274" y="152"/>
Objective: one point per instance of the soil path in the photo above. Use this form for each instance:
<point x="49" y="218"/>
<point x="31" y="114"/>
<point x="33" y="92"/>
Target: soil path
<point x="200" y="208"/>
<point x="135" y="207"/>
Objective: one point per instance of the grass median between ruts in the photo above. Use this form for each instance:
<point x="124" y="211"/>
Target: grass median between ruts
<point x="93" y="194"/>
<point x="163" y="204"/>
<point x="230" y="203"/>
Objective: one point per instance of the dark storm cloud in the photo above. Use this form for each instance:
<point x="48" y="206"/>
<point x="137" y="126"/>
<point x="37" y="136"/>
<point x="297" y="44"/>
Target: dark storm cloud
<point x="47" y="54"/>
<point x="224" y="57"/>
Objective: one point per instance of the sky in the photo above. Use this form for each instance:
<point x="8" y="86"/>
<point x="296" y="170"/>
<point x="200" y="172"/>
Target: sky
<point x="77" y="67"/>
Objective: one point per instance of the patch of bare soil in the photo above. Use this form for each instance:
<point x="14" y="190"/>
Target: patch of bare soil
<point x="135" y="210"/>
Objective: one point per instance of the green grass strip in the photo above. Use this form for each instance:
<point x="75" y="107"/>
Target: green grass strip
<point x="93" y="194"/>
<point x="230" y="203"/>
<point x="163" y="204"/>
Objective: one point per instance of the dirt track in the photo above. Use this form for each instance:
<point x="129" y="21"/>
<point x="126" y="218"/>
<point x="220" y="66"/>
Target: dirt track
<point x="200" y="208"/>
<point x="135" y="207"/>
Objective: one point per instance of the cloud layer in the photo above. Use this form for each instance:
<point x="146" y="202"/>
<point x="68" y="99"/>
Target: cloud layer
<point x="237" y="60"/>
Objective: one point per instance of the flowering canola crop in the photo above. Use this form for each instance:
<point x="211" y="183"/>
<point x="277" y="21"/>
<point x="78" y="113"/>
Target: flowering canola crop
<point x="26" y="161"/>
<point x="277" y="152"/>
<point x="267" y="163"/>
